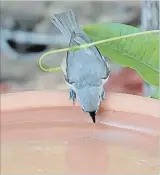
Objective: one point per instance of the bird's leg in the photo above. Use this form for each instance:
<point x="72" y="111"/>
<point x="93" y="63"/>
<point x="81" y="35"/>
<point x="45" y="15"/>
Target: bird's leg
<point x="103" y="94"/>
<point x="72" y="95"/>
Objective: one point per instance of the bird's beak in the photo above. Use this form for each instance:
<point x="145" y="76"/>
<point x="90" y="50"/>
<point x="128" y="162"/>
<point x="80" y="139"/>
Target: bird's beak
<point x="93" y="116"/>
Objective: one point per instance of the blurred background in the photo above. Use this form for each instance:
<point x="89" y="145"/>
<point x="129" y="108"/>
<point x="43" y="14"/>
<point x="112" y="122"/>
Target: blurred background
<point x="27" y="32"/>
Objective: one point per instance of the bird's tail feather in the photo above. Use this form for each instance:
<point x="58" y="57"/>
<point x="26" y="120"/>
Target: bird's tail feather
<point x="66" y="22"/>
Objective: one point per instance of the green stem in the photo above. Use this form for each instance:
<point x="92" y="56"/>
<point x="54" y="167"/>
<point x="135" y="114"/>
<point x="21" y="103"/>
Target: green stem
<point x="56" y="69"/>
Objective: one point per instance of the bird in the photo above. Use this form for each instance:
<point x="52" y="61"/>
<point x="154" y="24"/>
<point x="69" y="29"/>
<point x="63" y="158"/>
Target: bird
<point x="85" y="70"/>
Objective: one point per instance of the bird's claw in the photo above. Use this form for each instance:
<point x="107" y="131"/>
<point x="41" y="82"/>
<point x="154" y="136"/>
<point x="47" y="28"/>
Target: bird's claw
<point x="103" y="94"/>
<point x="72" y="95"/>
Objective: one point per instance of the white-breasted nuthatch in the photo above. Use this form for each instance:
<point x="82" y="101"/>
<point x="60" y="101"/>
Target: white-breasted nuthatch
<point x="85" y="70"/>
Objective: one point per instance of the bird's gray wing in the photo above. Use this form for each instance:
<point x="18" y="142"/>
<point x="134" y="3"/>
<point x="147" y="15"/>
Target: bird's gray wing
<point x="85" y="62"/>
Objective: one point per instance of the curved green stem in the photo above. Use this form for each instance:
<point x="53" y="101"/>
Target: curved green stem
<point x="56" y="69"/>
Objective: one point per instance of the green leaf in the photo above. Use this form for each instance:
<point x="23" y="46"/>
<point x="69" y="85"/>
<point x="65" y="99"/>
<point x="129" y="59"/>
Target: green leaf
<point x="140" y="52"/>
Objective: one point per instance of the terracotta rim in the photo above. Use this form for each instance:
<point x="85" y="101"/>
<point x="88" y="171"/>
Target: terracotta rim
<point x="123" y="111"/>
<point x="45" y="99"/>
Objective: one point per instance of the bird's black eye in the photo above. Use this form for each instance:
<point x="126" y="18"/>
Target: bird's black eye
<point x="67" y="80"/>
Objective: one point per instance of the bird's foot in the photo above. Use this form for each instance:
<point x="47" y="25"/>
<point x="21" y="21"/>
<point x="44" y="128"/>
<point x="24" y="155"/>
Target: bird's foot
<point x="103" y="94"/>
<point x="72" y="95"/>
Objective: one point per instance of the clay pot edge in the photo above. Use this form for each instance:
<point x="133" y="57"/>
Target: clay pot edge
<point x="45" y="99"/>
